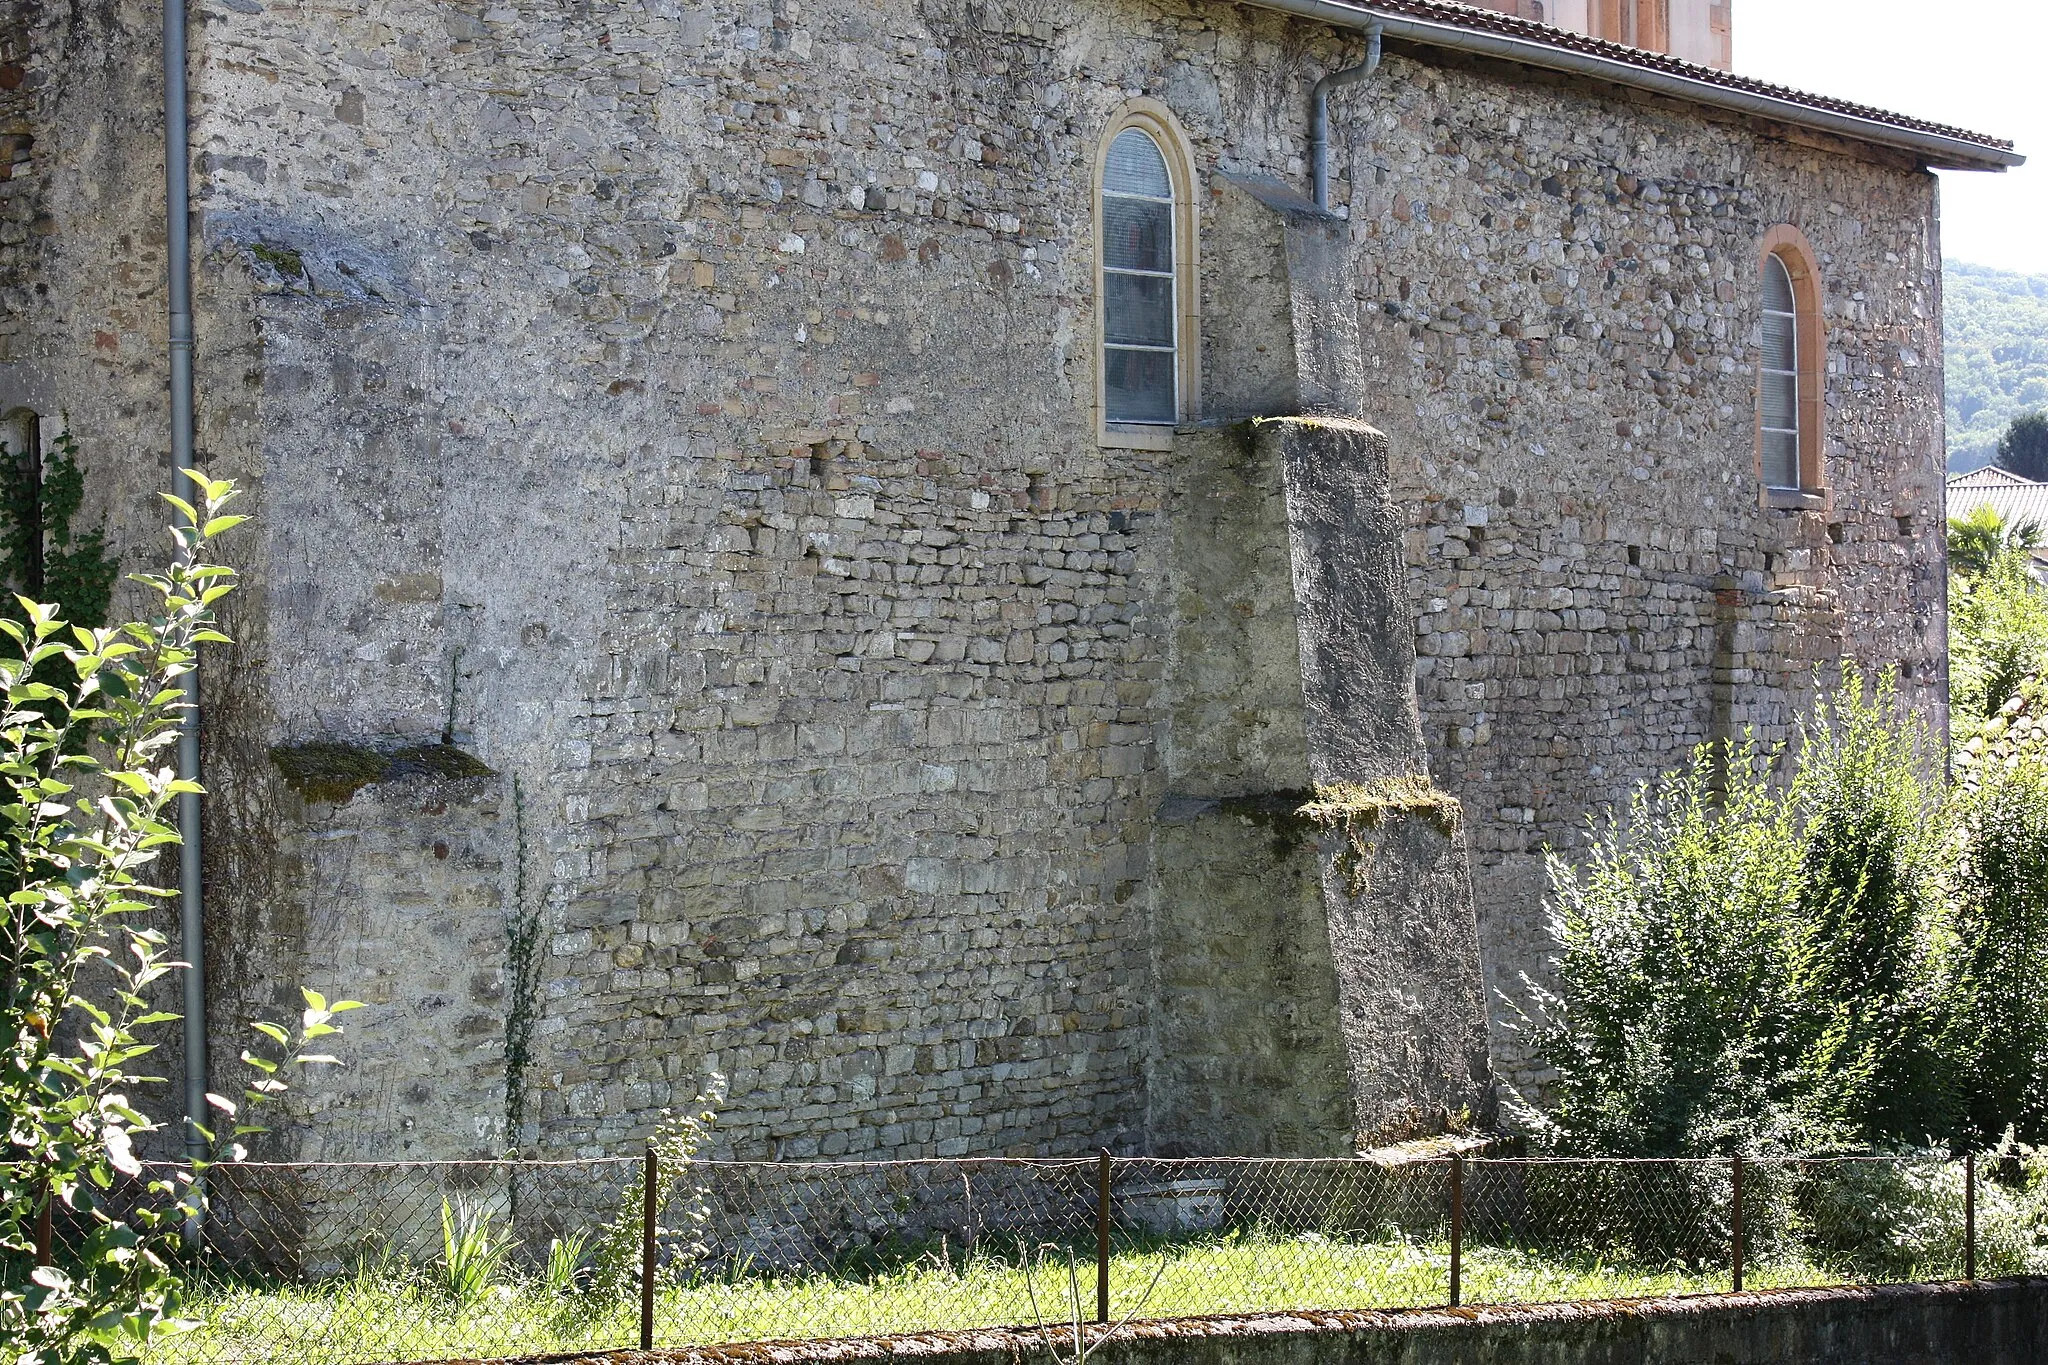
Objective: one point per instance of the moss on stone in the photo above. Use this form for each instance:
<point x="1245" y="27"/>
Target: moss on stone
<point x="1411" y="793"/>
<point x="333" y="773"/>
<point x="282" y="259"/>
<point x="1360" y="811"/>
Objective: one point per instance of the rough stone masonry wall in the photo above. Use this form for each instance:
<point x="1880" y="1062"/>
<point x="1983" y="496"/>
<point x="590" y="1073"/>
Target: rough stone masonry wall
<point x="1562" y="311"/>
<point x="685" y="407"/>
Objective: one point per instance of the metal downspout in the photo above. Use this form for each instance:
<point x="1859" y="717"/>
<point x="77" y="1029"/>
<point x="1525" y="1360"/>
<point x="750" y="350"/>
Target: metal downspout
<point x="178" y="258"/>
<point x="1319" y="112"/>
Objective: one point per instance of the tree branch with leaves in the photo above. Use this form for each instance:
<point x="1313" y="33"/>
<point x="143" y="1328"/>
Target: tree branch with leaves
<point x="88" y="781"/>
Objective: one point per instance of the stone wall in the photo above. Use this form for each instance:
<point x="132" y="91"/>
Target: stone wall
<point x="404" y="886"/>
<point x="684" y="407"/>
<point x="1566" y="325"/>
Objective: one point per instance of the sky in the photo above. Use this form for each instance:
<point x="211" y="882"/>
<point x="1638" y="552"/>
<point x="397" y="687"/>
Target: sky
<point x="1977" y="64"/>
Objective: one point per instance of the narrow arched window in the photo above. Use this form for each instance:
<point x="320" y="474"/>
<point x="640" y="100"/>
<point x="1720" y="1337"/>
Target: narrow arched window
<point x="1145" y="279"/>
<point x="1780" y="377"/>
<point x="1791" y="374"/>
<point x="1140" y="331"/>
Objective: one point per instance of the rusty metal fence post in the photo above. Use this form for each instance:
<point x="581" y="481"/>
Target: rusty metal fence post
<point x="1457" y="1228"/>
<point x="1102" y="1172"/>
<point x="1970" y="1216"/>
<point x="648" y="1203"/>
<point x="1735" y="1229"/>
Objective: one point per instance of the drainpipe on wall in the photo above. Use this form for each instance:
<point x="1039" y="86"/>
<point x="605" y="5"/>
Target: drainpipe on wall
<point x="1319" y="112"/>
<point x="178" y="256"/>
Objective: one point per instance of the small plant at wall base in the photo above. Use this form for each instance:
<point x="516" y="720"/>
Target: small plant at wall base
<point x="93" y="715"/>
<point x="616" y="1264"/>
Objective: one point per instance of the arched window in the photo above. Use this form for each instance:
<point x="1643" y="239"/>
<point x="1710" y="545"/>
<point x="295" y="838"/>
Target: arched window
<point x="1780" y="377"/>
<point x="1145" y="281"/>
<point x="1791" y="371"/>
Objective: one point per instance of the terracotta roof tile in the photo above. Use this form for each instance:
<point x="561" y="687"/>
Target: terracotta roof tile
<point x="1467" y="17"/>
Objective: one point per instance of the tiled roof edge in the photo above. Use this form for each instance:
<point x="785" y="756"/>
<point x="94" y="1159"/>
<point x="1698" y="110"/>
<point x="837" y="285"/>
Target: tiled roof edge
<point x="1996" y="152"/>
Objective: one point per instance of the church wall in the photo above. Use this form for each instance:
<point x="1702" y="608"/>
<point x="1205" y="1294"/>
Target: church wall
<point x="1566" y="324"/>
<point x="684" y="408"/>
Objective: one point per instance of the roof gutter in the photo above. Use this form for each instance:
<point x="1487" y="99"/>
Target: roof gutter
<point x="1936" y="150"/>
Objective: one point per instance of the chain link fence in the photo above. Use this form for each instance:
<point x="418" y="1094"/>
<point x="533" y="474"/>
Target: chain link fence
<point x="339" y="1264"/>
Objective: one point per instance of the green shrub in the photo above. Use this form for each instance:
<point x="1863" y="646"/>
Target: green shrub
<point x="1905" y="1220"/>
<point x="2000" y="1036"/>
<point x="1873" y="964"/>
<point x="1755" y="965"/>
<point x="1998" y="636"/>
<point x="1884" y="1220"/>
<point x="1671" y="1029"/>
<point x="616" y="1262"/>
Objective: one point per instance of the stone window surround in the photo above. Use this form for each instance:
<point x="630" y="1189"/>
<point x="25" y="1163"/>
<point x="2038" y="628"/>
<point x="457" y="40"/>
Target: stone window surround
<point x="21" y="431"/>
<point x="1155" y="119"/>
<point x="1796" y="253"/>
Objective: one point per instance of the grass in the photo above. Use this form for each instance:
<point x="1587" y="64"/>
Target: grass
<point x="394" y="1311"/>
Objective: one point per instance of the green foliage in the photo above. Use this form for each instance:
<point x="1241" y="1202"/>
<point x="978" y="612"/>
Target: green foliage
<point x="92" y="715"/>
<point x="1904" y="1220"/>
<point x="615" y="1268"/>
<point x="1995" y="336"/>
<point x="1763" y="969"/>
<point x="1998" y="636"/>
<point x="2023" y="448"/>
<point x="1875" y="964"/>
<point x="2001" y="1033"/>
<point x="1671" y="1031"/>
<point x="473" y="1251"/>
<point x="564" y="1263"/>
<point x="41" y="552"/>
<point x="1977" y="538"/>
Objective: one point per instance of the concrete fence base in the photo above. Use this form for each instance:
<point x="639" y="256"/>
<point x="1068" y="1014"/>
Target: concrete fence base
<point x="2003" y="1322"/>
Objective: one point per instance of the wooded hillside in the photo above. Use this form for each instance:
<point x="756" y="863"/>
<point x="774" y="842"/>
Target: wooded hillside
<point x="1997" y="356"/>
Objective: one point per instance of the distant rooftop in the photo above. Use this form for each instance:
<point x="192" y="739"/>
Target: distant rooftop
<point x="2014" y="499"/>
<point x="1990" y="476"/>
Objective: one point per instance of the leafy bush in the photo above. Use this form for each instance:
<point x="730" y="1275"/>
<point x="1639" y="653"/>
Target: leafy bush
<point x="1669" y="1032"/>
<point x="1998" y="636"/>
<point x="1904" y="1220"/>
<point x="1752" y="965"/>
<point x="1873" y="956"/>
<point x="92" y="715"/>
<point x="615" y="1267"/>
<point x="2000" y="1037"/>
